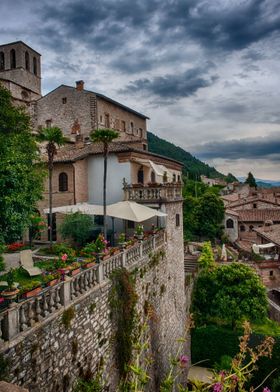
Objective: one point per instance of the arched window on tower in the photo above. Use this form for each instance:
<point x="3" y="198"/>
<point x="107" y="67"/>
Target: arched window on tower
<point x="34" y="66"/>
<point x="229" y="224"/>
<point x="13" y="62"/>
<point x="63" y="182"/>
<point x="140" y="176"/>
<point x="2" y="61"/>
<point x="27" y="61"/>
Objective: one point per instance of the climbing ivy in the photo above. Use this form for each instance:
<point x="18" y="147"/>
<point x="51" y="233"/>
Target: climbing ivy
<point x="123" y="300"/>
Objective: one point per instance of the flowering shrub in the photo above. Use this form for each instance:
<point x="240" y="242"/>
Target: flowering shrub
<point x="100" y="245"/>
<point x="15" y="247"/>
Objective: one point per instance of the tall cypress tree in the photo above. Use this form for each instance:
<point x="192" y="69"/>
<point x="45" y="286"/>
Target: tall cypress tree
<point x="251" y="180"/>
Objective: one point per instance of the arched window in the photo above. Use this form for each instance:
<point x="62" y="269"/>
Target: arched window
<point x="140" y="176"/>
<point x="251" y="227"/>
<point x="2" y="61"/>
<point x="63" y="182"/>
<point x="229" y="224"/>
<point x="13" y="62"/>
<point x="179" y="178"/>
<point x="27" y="61"/>
<point x="242" y="228"/>
<point x="34" y="66"/>
<point x="153" y="177"/>
<point x="174" y="177"/>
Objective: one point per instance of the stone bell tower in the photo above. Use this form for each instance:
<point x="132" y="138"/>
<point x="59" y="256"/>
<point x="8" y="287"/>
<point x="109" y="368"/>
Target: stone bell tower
<point x="20" y="72"/>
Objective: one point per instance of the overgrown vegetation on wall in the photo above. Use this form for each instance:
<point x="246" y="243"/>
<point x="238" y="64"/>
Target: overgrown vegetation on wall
<point x="123" y="300"/>
<point x="212" y="342"/>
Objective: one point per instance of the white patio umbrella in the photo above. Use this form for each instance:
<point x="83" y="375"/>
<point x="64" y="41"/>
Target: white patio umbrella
<point x="132" y="211"/>
<point x="85" y="208"/>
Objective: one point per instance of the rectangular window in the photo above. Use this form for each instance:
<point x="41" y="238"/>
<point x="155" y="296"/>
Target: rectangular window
<point x="107" y="121"/>
<point x="48" y="123"/>
<point x="117" y="124"/>
<point x="177" y="220"/>
<point x="130" y="225"/>
<point x="99" y="220"/>
<point x="101" y="119"/>
<point x="64" y="100"/>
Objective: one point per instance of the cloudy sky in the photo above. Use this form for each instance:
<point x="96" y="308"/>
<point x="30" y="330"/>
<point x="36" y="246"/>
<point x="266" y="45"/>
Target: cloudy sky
<point x="205" y="71"/>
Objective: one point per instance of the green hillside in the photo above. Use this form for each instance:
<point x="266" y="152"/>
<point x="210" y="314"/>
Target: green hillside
<point x="193" y="167"/>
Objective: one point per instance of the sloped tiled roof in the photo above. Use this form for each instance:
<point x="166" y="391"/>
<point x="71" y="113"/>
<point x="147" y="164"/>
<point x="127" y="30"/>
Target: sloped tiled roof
<point x="261" y="215"/>
<point x="72" y="153"/>
<point x="270" y="233"/>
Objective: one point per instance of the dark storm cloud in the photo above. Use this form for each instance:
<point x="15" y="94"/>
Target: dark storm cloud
<point x="215" y="25"/>
<point x="174" y="86"/>
<point x="267" y="147"/>
<point x="110" y="25"/>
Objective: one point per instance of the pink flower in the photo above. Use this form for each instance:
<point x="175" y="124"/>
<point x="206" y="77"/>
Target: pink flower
<point x="266" y="389"/>
<point x="217" y="387"/>
<point x="64" y="257"/>
<point x="183" y="360"/>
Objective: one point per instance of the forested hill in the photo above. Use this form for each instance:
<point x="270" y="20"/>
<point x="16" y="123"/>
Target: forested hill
<point x="192" y="166"/>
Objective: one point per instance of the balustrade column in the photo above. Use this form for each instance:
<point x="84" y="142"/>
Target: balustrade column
<point x="11" y="323"/>
<point x="66" y="292"/>
<point x="100" y="273"/>
<point x="124" y="254"/>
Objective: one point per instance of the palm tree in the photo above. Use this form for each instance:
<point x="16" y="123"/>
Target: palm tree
<point x="104" y="136"/>
<point x="54" y="138"/>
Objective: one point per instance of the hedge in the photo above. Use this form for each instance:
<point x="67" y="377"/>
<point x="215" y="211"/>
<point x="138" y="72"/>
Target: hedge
<point x="212" y="342"/>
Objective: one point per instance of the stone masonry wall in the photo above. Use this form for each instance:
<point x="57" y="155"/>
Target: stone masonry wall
<point x="48" y="357"/>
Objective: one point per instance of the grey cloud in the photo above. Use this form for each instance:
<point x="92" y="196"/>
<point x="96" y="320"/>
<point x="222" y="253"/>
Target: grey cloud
<point x="172" y="86"/>
<point x="267" y="147"/>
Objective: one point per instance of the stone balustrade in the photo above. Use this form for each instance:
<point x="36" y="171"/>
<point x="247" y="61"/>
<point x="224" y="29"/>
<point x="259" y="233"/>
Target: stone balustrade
<point x="154" y="194"/>
<point x="23" y="315"/>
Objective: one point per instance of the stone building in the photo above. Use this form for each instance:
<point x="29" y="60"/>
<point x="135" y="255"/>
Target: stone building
<point x="247" y="210"/>
<point x="77" y="111"/>
<point x="78" y="176"/>
<point x="20" y="72"/>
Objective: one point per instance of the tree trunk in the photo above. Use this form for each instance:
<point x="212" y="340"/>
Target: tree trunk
<point x="50" y="208"/>
<point x="104" y="191"/>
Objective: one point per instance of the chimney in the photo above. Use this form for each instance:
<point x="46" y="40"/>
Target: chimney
<point x="79" y="141"/>
<point x="80" y="85"/>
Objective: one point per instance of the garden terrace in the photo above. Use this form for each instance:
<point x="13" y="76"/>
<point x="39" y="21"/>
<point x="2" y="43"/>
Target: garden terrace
<point x="153" y="193"/>
<point x="25" y="314"/>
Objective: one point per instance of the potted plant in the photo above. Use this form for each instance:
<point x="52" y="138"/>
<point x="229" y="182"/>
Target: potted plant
<point x="88" y="263"/>
<point x="121" y="240"/>
<point x="75" y="268"/>
<point x="31" y="289"/>
<point x="51" y="279"/>
<point x="139" y="232"/>
<point x="12" y="291"/>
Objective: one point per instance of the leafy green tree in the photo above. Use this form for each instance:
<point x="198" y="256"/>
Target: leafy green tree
<point x="105" y="137"/>
<point x="2" y="250"/>
<point x="229" y="294"/>
<point x="77" y="227"/>
<point x="206" y="259"/>
<point x="21" y="175"/>
<point x="189" y="219"/>
<point x="209" y="214"/>
<point x="251" y="180"/>
<point x="54" y="138"/>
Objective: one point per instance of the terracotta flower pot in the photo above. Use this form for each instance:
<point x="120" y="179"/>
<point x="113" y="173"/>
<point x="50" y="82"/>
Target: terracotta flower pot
<point x="33" y="293"/>
<point x="10" y="294"/>
<point x="52" y="282"/>
<point x="75" y="271"/>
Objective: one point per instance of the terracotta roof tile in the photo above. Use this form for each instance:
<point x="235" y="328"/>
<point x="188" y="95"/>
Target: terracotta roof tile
<point x="72" y="153"/>
<point x="270" y="233"/>
<point x="261" y="215"/>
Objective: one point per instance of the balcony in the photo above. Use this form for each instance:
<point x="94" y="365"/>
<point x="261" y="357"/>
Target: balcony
<point x="158" y="193"/>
